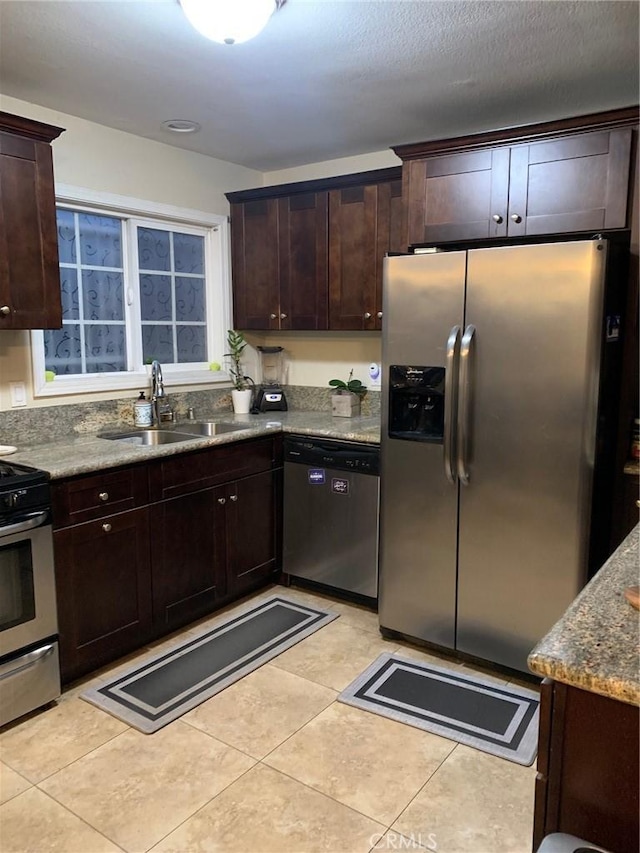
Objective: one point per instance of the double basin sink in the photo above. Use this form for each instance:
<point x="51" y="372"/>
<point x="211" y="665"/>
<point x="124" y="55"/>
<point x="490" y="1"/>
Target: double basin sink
<point x="190" y="431"/>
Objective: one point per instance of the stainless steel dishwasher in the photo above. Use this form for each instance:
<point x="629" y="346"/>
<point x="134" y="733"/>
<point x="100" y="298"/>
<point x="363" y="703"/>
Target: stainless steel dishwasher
<point x="331" y="500"/>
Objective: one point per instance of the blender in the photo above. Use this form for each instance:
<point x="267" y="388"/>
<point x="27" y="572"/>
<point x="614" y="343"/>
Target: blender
<point x="272" y="369"/>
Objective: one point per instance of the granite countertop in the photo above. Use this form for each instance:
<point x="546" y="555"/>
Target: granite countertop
<point x="594" y="646"/>
<point x="80" y="454"/>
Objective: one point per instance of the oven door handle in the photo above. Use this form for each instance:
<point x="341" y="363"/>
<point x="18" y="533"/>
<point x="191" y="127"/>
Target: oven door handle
<point x="27" y="661"/>
<point x="27" y="522"/>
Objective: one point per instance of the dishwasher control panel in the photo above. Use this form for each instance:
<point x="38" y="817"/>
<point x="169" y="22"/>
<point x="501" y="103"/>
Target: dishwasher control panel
<point x="337" y="455"/>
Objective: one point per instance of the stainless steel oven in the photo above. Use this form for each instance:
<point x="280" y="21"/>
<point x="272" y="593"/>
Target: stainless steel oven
<point x="29" y="664"/>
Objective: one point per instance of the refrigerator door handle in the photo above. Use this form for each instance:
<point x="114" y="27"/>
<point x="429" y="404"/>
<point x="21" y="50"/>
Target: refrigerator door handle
<point x="464" y="397"/>
<point x="450" y="402"/>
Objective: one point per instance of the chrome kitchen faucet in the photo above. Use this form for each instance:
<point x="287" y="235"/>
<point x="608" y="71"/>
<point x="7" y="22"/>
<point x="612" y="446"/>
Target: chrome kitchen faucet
<point x="161" y="412"/>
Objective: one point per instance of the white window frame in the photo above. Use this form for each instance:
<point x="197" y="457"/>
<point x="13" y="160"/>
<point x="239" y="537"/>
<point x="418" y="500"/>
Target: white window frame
<point x="218" y="309"/>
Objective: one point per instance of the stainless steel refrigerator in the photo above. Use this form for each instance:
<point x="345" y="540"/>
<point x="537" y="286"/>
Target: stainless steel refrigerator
<point x="491" y="373"/>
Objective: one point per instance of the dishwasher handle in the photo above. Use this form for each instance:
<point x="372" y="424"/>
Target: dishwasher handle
<point x="340" y="456"/>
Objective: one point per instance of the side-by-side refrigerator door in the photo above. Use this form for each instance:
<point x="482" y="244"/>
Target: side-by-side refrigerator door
<point x="529" y="420"/>
<point x="423" y="298"/>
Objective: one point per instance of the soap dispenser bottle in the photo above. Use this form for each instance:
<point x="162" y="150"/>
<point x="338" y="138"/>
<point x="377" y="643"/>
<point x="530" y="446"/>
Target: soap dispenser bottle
<point x="142" y="412"/>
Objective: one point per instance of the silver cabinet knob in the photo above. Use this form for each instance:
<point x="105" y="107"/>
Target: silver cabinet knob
<point x="272" y="316"/>
<point x="5" y="310"/>
<point x="106" y="527"/>
<point x="516" y="217"/>
<point x="367" y="315"/>
<point x="222" y="500"/>
<point x="283" y="316"/>
<point x="379" y="315"/>
<point x="497" y="218"/>
<point x="104" y="496"/>
<point x="233" y="498"/>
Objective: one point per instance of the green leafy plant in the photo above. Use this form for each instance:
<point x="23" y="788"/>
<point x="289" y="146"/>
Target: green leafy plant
<point x="354" y="386"/>
<point x="236" y="344"/>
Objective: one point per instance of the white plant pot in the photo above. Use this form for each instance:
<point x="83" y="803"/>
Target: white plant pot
<point x="345" y="405"/>
<point x="241" y="401"/>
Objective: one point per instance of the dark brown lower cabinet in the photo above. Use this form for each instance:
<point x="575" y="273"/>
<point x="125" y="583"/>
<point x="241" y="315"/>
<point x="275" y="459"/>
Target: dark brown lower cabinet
<point x="251" y="510"/>
<point x="587" y="782"/>
<point x="188" y="558"/>
<point x="125" y="578"/>
<point x="103" y="583"/>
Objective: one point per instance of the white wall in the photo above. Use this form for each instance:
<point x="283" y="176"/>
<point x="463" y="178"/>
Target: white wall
<point x="331" y="168"/>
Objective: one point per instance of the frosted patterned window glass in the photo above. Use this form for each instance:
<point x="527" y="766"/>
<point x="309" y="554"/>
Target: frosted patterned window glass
<point x="63" y="349"/>
<point x="133" y="289"/>
<point x="93" y="334"/>
<point x="154" y="250"/>
<point x="100" y="241"/>
<point x="155" y="297"/>
<point x="172" y="306"/>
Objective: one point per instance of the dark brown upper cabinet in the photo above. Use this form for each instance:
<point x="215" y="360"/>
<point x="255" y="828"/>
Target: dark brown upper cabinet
<point x="279" y="262"/>
<point x="29" y="275"/>
<point x="364" y="224"/>
<point x="308" y="256"/>
<point x="549" y="179"/>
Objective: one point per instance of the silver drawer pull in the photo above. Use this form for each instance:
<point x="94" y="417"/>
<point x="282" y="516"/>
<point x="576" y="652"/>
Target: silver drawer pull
<point x="233" y="497"/>
<point x="366" y="315"/>
<point x="497" y="218"/>
<point x="106" y="527"/>
<point x="283" y="316"/>
<point x="104" y="496"/>
<point x="272" y="316"/>
<point x="222" y="500"/>
<point x="379" y="315"/>
<point x="12" y="668"/>
<point x="5" y="310"/>
<point x="516" y="217"/>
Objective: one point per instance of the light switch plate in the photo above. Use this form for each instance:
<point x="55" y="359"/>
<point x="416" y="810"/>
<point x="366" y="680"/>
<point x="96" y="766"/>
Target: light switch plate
<point x="18" y="394"/>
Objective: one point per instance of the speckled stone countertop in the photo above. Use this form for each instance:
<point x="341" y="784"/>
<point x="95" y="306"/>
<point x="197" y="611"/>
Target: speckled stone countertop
<point x="595" y="646"/>
<point x="80" y="454"/>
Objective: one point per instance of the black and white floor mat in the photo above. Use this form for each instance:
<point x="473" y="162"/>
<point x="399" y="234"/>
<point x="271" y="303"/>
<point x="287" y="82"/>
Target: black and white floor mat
<point x="152" y="694"/>
<point x="501" y="720"/>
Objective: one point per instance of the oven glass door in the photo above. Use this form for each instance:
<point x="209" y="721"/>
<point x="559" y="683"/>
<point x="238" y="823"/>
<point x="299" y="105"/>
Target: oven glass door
<point x="27" y="586"/>
<point x="17" y="599"/>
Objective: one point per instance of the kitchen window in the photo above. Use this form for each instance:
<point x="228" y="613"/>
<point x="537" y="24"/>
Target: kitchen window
<point x="138" y="282"/>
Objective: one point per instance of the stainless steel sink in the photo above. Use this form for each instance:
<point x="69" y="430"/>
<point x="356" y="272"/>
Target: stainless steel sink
<point x="211" y="427"/>
<point x="150" y="437"/>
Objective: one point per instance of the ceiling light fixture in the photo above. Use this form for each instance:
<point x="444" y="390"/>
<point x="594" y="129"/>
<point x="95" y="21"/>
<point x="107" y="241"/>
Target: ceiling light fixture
<point x="230" y="21"/>
<point x="181" y="125"/>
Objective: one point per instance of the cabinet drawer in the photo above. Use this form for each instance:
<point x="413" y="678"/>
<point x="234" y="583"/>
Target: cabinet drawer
<point x="192" y="472"/>
<point x="98" y="495"/>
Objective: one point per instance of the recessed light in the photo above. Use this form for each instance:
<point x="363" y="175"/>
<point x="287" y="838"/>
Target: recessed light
<point x="181" y="125"/>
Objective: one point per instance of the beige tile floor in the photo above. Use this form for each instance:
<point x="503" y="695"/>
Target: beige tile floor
<point x="273" y="763"/>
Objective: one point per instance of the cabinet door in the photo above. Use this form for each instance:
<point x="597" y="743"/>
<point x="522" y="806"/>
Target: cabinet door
<point x="353" y="257"/>
<point x="252" y="537"/>
<point x="29" y="276"/>
<point x="103" y="582"/>
<point x="188" y="558"/>
<point x="389" y="234"/>
<point x="255" y="272"/>
<point x="458" y="196"/>
<point x="303" y="250"/>
<point x="577" y="183"/>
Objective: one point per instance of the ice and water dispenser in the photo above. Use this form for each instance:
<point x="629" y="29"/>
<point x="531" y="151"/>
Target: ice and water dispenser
<point x="416" y="403"/>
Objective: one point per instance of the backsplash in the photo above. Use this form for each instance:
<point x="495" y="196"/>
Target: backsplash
<point x="48" y="423"/>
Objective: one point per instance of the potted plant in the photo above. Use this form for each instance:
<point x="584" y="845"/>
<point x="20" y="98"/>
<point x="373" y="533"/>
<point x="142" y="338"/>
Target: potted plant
<point x="345" y="401"/>
<point x="241" y="393"/>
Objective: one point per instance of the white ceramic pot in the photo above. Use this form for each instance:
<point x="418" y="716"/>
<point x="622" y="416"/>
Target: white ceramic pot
<point x="241" y="401"/>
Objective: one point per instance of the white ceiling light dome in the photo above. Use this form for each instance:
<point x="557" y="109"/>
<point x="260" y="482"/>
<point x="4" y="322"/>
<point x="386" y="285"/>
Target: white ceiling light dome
<point x="229" y="21"/>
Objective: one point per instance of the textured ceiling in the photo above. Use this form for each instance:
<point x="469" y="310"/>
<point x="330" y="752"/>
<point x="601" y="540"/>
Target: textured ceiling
<point x="325" y="79"/>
